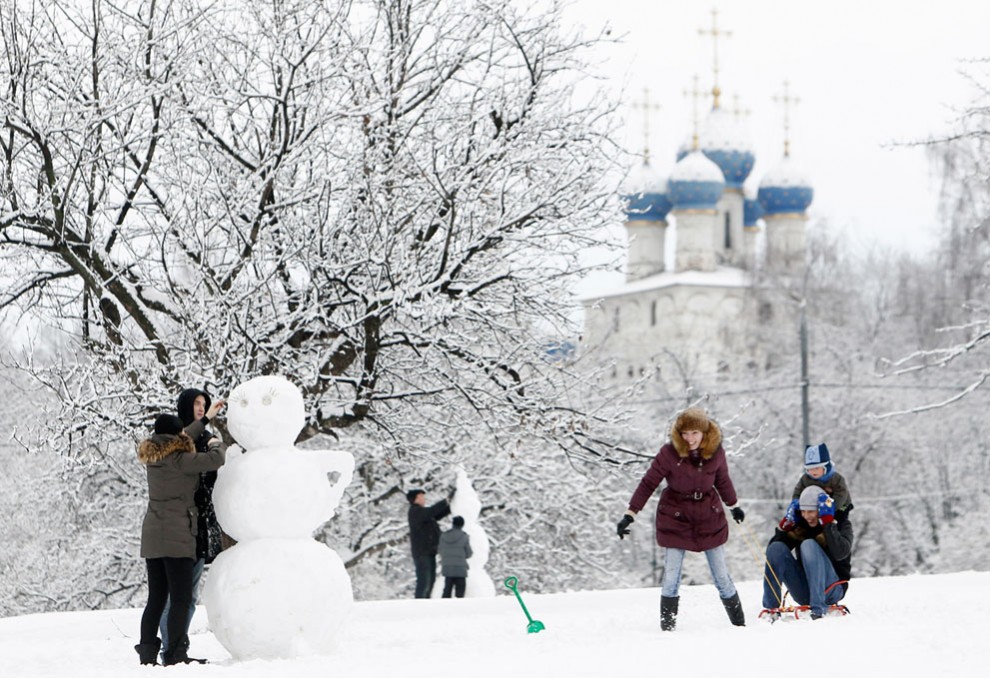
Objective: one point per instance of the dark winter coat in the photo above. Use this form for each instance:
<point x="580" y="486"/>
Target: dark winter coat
<point x="424" y="533"/>
<point x="835" y="487"/>
<point x="172" y="520"/>
<point x="208" y="538"/>
<point x="835" y="538"/>
<point x="454" y="549"/>
<point x="690" y="514"/>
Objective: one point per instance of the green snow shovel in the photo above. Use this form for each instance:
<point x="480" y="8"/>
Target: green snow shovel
<point x="535" y="626"/>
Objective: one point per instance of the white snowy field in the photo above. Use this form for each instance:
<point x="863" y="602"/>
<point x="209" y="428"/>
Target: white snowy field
<point x="934" y="625"/>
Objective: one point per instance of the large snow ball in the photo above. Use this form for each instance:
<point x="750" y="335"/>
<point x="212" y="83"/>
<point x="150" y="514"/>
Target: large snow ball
<point x="278" y="492"/>
<point x="278" y="598"/>
<point x="265" y="412"/>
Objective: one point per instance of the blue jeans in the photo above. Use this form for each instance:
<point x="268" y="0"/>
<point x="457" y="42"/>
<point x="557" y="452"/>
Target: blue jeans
<point x="806" y="579"/>
<point x="197" y="574"/>
<point x="426" y="574"/>
<point x="673" y="561"/>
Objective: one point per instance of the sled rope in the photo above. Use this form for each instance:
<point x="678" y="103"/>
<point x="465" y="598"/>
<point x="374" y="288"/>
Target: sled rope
<point x="751" y="542"/>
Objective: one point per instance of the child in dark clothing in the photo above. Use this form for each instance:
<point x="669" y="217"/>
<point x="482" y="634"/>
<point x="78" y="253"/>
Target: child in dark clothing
<point x="819" y="470"/>
<point x="455" y="549"/>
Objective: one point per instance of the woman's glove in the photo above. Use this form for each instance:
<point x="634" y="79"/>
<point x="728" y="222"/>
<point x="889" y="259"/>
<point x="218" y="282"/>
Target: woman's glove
<point x="738" y="514"/>
<point x="623" y="527"/>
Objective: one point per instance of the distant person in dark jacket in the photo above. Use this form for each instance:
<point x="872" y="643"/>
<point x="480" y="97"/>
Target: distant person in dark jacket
<point x="197" y="411"/>
<point x="424" y="538"/>
<point x="168" y="533"/>
<point x="691" y="513"/>
<point x="810" y="553"/>
<point x="455" y="549"/>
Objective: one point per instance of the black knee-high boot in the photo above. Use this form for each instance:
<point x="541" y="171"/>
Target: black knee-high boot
<point x="734" y="608"/>
<point x="668" y="612"/>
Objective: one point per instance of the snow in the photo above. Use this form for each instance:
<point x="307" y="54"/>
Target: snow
<point x="695" y="166"/>
<point x="932" y="625"/>
<point x="723" y="131"/>
<point x="722" y="276"/>
<point x="785" y="175"/>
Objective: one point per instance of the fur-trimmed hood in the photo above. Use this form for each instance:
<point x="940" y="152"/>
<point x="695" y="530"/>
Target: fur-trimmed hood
<point x="695" y="419"/>
<point x="157" y="447"/>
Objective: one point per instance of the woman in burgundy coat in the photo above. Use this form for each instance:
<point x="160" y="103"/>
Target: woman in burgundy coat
<point x="690" y="516"/>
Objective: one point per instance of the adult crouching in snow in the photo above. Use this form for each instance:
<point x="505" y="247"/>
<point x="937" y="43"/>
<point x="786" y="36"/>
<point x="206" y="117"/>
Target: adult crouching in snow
<point x="811" y="553"/>
<point x="690" y="516"/>
<point x="168" y="534"/>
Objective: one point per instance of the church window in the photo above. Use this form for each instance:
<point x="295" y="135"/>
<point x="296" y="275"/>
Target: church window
<point x="631" y="372"/>
<point x="653" y="313"/>
<point x="615" y="320"/>
<point x="728" y="232"/>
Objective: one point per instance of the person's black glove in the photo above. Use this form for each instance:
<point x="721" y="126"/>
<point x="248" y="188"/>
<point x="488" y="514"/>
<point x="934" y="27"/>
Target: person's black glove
<point x="451" y="492"/>
<point x="623" y="527"/>
<point x="738" y="514"/>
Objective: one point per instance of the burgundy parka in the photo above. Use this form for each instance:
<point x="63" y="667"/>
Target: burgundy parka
<point x="691" y="513"/>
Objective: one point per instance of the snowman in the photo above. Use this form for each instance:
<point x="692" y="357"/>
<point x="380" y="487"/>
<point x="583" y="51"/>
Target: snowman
<point x="467" y="505"/>
<point x="277" y="593"/>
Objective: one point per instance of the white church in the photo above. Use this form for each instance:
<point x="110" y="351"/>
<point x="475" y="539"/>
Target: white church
<point x="714" y="257"/>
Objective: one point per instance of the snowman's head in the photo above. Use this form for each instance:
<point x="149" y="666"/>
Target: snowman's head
<point x="265" y="412"/>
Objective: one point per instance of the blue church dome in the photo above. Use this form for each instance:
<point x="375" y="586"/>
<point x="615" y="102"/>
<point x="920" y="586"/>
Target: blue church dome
<point x="724" y="141"/>
<point x="752" y="211"/>
<point x="785" y="190"/>
<point x="695" y="183"/>
<point x="645" y="193"/>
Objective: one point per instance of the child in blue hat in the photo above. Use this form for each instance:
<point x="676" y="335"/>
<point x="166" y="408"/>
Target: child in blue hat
<point x="819" y="470"/>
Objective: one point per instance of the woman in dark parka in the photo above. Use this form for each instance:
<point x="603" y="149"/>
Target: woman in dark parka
<point x="168" y="534"/>
<point x="690" y="514"/>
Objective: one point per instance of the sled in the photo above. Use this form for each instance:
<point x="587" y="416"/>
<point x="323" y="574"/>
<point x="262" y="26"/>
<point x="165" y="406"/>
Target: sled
<point x="786" y="611"/>
<point x="789" y="612"/>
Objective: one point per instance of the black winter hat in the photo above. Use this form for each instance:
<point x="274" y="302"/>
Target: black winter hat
<point x="168" y="424"/>
<point x="458" y="521"/>
<point x="412" y="494"/>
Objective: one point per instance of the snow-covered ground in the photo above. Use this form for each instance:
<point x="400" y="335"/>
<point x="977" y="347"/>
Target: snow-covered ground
<point x="935" y="625"/>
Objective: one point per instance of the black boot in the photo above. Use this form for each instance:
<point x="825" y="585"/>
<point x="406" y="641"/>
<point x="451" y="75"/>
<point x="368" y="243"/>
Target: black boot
<point x="734" y="608"/>
<point x="668" y="612"/>
<point x="178" y="654"/>
<point x="148" y="652"/>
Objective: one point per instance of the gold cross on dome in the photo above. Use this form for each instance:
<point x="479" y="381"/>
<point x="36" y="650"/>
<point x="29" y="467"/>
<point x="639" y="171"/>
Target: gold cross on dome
<point x="696" y="94"/>
<point x="647" y="107"/>
<point x="715" y="32"/>
<point x="787" y="100"/>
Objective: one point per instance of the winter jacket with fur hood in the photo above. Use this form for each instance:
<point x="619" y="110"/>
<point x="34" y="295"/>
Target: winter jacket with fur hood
<point x="690" y="514"/>
<point x="455" y="549"/>
<point x="173" y="467"/>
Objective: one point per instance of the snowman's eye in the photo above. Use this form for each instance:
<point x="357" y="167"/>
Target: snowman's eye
<point x="266" y="399"/>
<point x="243" y="402"/>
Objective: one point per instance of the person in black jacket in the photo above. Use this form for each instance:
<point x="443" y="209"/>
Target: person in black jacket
<point x="424" y="538"/>
<point x="817" y="573"/>
<point x="196" y="410"/>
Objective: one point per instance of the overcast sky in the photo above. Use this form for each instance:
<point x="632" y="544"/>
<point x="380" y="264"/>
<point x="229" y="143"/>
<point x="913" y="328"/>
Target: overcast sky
<point x="870" y="74"/>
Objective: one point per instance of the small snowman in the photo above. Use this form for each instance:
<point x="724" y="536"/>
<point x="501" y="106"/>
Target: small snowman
<point x="277" y="593"/>
<point x="467" y="505"/>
